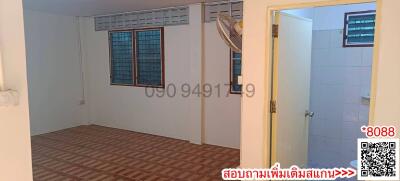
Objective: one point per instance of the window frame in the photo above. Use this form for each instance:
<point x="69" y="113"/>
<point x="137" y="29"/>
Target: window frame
<point x="134" y="57"/>
<point x="231" y="64"/>
<point x="111" y="61"/>
<point x="162" y="51"/>
<point x="346" y="15"/>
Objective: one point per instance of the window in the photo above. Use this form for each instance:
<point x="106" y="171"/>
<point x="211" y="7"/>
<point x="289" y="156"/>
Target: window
<point x="121" y="56"/>
<point x="359" y="29"/>
<point x="236" y="71"/>
<point x="137" y="57"/>
<point x="149" y="63"/>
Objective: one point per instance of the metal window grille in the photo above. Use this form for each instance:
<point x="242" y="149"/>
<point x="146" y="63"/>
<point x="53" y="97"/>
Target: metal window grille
<point x="149" y="57"/>
<point x="235" y="9"/>
<point x="121" y="54"/>
<point x="359" y="29"/>
<point x="142" y="19"/>
<point x="236" y="71"/>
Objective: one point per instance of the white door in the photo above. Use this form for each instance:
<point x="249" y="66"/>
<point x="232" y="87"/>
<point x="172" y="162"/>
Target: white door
<point x="291" y="90"/>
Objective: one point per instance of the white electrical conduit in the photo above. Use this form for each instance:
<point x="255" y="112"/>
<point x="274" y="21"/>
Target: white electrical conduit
<point x="7" y="97"/>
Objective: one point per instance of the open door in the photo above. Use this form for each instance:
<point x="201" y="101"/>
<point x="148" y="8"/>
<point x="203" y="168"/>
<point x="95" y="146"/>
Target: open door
<point x="291" y="89"/>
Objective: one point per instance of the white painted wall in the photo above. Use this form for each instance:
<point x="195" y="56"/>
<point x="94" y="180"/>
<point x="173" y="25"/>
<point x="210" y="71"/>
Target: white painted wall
<point x="15" y="147"/>
<point x="54" y="73"/>
<point x="128" y="107"/>
<point x="256" y="54"/>
<point x="196" y="77"/>
<point x="177" y="117"/>
<point x="330" y="17"/>
<point x="222" y="113"/>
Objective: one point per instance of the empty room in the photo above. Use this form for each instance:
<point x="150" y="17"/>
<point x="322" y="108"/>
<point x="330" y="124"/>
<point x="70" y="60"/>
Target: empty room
<point x="199" y="90"/>
<point x="115" y="90"/>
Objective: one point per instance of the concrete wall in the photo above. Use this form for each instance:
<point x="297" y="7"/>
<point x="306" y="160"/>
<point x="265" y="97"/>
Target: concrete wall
<point x="54" y="72"/>
<point x="15" y="147"/>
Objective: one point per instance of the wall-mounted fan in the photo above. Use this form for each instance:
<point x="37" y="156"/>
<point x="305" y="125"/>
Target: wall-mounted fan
<point x="230" y="31"/>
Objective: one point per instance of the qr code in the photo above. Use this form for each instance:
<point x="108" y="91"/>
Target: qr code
<point x="378" y="159"/>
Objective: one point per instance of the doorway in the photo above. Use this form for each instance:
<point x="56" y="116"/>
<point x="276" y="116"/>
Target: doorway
<point x="322" y="65"/>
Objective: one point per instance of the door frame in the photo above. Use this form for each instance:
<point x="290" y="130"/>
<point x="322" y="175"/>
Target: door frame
<point x="274" y="81"/>
<point x="272" y="47"/>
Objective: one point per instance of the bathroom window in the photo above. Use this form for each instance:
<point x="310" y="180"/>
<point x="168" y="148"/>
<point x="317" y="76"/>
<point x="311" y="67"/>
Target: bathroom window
<point x="359" y="29"/>
<point x="236" y="71"/>
<point x="137" y="57"/>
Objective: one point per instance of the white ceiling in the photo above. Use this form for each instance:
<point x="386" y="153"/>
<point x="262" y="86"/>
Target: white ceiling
<point x="101" y="7"/>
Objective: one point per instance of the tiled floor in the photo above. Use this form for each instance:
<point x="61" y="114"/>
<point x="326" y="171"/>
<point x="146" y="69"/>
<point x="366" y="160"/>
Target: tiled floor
<point x="100" y="153"/>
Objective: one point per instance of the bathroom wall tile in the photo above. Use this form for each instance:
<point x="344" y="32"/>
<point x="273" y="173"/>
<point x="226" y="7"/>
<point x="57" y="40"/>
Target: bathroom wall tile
<point x="365" y="76"/>
<point x="337" y="57"/>
<point x="332" y="75"/>
<point x="351" y="130"/>
<point x="333" y="145"/>
<point x="348" y="151"/>
<point x="317" y="106"/>
<point x="363" y="114"/>
<point x="352" y="94"/>
<point x="336" y="38"/>
<point x="337" y="84"/>
<point x="351" y="112"/>
<point x="367" y="56"/>
<point x="349" y="147"/>
<point x="329" y="159"/>
<point x="320" y="57"/>
<point x="321" y="39"/>
<point x="316" y="127"/>
<point x="327" y="105"/>
<point x="316" y="73"/>
<point x="353" y="56"/>
<point x="365" y="91"/>
<point x="332" y="129"/>
<point x="352" y="76"/>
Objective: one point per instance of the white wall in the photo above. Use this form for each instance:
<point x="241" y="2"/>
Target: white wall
<point x="128" y="107"/>
<point x="222" y="113"/>
<point x="196" y="77"/>
<point x="330" y="17"/>
<point x="339" y="78"/>
<point x="15" y="149"/>
<point x="386" y="110"/>
<point x="54" y="73"/>
<point x="256" y="65"/>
